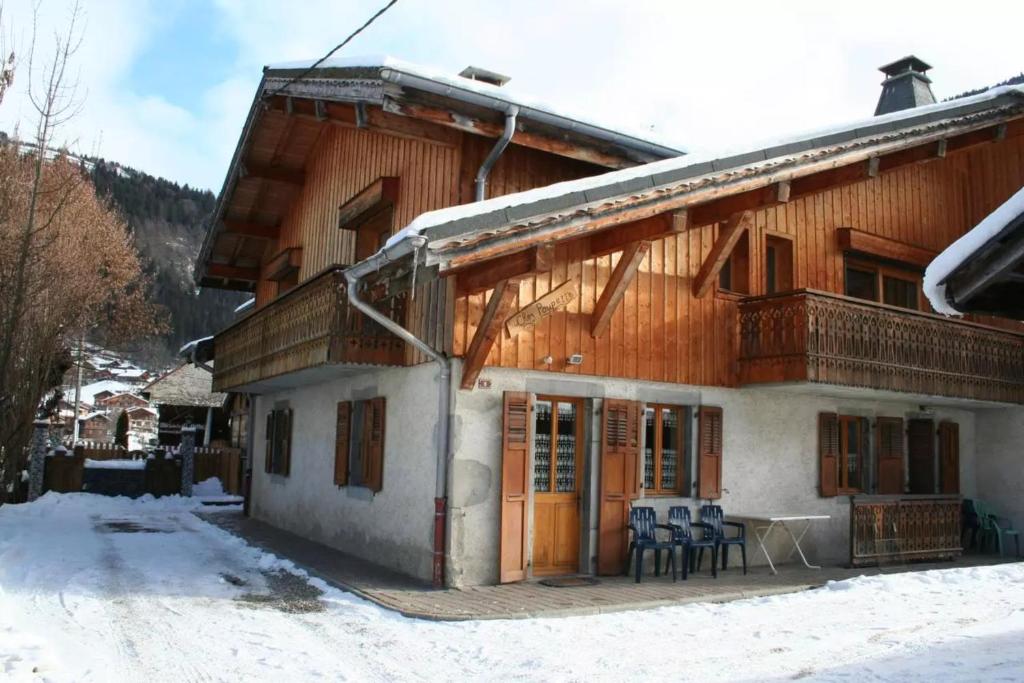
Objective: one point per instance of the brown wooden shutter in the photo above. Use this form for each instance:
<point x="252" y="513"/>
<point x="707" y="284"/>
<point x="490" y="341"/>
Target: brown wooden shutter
<point x="373" y="453"/>
<point x="268" y="454"/>
<point x="286" y="442"/>
<point x="620" y="449"/>
<point x="515" y="480"/>
<point x="890" y="455"/>
<point x="342" y="431"/>
<point x="949" y="457"/>
<point x="828" y="453"/>
<point x="709" y="456"/>
<point x="921" y="455"/>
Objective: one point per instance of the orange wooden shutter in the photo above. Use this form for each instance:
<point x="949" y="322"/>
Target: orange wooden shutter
<point x="620" y="447"/>
<point x="373" y="454"/>
<point x="890" y="455"/>
<point x="515" y="480"/>
<point x="286" y="441"/>
<point x="949" y="457"/>
<point x="269" y="438"/>
<point x="343" y="428"/>
<point x="828" y="451"/>
<point x="709" y="445"/>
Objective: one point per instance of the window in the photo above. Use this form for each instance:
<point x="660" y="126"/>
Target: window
<point x="844" y="444"/>
<point x="882" y="283"/>
<point x="778" y="266"/>
<point x="665" y="453"/>
<point x="555" y="447"/>
<point x="372" y="232"/>
<point x="359" y="443"/>
<point x="735" y="273"/>
<point x="277" y="457"/>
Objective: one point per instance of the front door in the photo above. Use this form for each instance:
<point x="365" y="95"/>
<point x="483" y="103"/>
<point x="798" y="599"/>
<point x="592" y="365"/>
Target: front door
<point x="557" y="476"/>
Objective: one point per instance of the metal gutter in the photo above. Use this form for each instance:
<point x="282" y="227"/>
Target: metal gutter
<point x="480" y="191"/>
<point x="353" y="276"/>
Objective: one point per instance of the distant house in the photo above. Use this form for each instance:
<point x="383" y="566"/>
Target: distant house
<point x="122" y="400"/>
<point x="95" y="427"/>
<point x="185" y="396"/>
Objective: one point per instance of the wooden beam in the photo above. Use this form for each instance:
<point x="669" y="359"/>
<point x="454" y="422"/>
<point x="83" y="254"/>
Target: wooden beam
<point x="722" y="209"/>
<point x="873" y="165"/>
<point x="782" y="192"/>
<point x="514" y="267"/>
<point x="727" y="239"/>
<point x="883" y="247"/>
<point x="254" y="230"/>
<point x="619" y="238"/>
<point x="277" y="174"/>
<point x="499" y="306"/>
<point x="381" y="193"/>
<point x="625" y="270"/>
<point x="284" y="263"/>
<point x="225" y="272"/>
<point x="680" y="220"/>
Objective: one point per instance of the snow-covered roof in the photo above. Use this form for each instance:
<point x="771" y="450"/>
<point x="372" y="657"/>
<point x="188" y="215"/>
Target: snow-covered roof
<point x="455" y="83"/>
<point x="89" y="391"/>
<point x="90" y="416"/>
<point x="495" y="213"/>
<point x="110" y="399"/>
<point x="970" y="245"/>
<point x="244" y="306"/>
<point x="187" y="348"/>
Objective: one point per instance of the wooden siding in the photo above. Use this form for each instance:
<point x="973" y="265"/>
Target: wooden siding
<point x="661" y="332"/>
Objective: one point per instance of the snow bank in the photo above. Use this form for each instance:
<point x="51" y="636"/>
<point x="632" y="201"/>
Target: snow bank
<point x="958" y="252"/>
<point x="208" y="487"/>
<point x="115" y="464"/>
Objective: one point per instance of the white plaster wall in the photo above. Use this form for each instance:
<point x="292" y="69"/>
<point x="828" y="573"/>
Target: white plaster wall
<point x="393" y="527"/>
<point x="1000" y="462"/>
<point x="770" y="459"/>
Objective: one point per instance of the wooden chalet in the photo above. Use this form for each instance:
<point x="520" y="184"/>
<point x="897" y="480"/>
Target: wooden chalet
<point x="483" y="330"/>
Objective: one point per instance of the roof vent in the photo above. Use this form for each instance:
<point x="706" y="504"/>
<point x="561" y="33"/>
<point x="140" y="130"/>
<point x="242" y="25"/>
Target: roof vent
<point x="905" y="86"/>
<point x="475" y="73"/>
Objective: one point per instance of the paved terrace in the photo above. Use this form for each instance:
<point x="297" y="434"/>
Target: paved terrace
<point x="531" y="599"/>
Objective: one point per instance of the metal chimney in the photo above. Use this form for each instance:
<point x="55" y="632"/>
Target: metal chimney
<point x="905" y="86"/>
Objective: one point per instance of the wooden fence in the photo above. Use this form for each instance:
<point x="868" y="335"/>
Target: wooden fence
<point x="63" y="473"/>
<point x="902" y="528"/>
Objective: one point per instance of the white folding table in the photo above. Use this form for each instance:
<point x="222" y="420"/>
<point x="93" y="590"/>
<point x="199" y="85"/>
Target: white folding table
<point x="763" y="525"/>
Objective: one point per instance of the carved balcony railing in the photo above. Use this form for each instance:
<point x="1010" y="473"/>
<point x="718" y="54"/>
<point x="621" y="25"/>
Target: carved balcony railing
<point x="808" y="336"/>
<point x="312" y="325"/>
<point x="901" y="528"/>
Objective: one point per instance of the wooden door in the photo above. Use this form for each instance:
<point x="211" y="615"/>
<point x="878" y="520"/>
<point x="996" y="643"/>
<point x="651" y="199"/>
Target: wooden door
<point x="921" y="455"/>
<point x="557" y="479"/>
<point x="890" y="455"/>
<point x="620" y="447"/>
<point x="949" y="457"/>
<point x="515" y="478"/>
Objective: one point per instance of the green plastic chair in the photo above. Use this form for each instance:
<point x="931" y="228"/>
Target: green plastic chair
<point x="994" y="528"/>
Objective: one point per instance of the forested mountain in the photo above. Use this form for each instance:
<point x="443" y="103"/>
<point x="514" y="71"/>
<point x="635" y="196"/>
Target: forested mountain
<point x="167" y="221"/>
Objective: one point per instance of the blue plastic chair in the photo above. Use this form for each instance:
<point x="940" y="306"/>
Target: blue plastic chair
<point x="643" y="522"/>
<point x="714" y="516"/>
<point x="684" y="538"/>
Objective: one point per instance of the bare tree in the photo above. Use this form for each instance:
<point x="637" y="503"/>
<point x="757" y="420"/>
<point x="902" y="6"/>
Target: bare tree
<point x="66" y="259"/>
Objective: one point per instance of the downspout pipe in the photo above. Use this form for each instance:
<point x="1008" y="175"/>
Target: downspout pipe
<point x="480" y="192"/>
<point x="353" y="276"/>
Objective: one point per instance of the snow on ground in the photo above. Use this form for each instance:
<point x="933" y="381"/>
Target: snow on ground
<point x="100" y="589"/>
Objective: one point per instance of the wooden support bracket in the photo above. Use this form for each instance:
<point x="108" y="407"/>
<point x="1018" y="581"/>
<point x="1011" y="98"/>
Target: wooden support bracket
<point x="498" y="308"/>
<point x="727" y="239"/>
<point x="625" y="270"/>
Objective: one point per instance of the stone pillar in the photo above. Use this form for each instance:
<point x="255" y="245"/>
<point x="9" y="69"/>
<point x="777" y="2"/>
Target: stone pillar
<point x="188" y="458"/>
<point x="37" y="464"/>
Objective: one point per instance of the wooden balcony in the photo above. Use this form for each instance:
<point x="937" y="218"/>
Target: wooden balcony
<point x="808" y="336"/>
<point x="310" y="326"/>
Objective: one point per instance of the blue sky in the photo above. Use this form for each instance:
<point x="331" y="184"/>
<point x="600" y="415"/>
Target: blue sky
<point x="165" y="86"/>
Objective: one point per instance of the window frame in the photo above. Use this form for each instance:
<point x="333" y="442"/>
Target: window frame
<point x="278" y="449"/>
<point x="359" y="468"/>
<point x="683" y="464"/>
<point x="581" y="412"/>
<point x="843" y="487"/>
<point x="881" y="271"/>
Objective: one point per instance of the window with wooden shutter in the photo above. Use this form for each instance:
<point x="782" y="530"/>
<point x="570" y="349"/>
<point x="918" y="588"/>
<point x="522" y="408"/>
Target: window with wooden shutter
<point x="949" y="457"/>
<point x="373" y="458"/>
<point x="890" y="455"/>
<point x="286" y="442"/>
<point x="515" y="478"/>
<point x="828" y="454"/>
<point x="341" y="437"/>
<point x="921" y="456"/>
<point x="268" y="452"/>
<point x="279" y="442"/>
<point x="709" y="456"/>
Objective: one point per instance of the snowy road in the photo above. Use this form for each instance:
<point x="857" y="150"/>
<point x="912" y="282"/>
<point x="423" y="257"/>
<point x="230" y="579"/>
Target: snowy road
<point x="95" y="589"/>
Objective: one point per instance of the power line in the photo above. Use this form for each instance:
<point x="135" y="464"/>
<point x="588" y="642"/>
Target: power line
<point x="337" y="47"/>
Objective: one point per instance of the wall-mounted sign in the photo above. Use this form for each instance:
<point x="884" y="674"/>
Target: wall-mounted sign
<point x="555" y="300"/>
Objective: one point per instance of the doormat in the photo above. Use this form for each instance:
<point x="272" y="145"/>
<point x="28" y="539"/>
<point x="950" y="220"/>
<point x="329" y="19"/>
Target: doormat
<point x="570" y="582"/>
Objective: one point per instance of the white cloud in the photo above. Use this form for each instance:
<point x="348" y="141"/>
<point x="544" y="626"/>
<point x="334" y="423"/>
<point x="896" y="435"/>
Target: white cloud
<point x="710" y="75"/>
